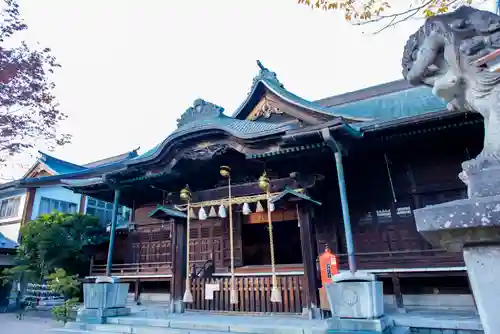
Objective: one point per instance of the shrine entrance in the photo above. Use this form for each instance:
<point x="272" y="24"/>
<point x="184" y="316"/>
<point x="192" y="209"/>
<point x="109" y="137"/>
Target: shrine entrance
<point x="286" y="235"/>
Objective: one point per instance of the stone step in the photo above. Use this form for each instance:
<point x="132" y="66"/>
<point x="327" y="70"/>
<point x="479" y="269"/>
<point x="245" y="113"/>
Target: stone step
<point x="127" y="329"/>
<point x="199" y="324"/>
<point x="73" y="331"/>
<point x="224" y="324"/>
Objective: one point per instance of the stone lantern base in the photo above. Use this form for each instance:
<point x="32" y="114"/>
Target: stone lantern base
<point x="472" y="226"/>
<point x="103" y="299"/>
<point x="357" y="303"/>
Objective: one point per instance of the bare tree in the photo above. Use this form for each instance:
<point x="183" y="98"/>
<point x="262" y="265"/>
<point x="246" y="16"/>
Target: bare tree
<point x="28" y="108"/>
<point x="361" y="12"/>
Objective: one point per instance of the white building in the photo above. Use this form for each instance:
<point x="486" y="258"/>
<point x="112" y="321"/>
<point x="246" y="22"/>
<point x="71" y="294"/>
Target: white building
<point x="21" y="203"/>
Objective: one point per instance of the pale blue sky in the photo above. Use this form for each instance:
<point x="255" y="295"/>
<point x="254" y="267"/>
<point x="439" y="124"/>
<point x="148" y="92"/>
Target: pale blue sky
<point x="130" y="68"/>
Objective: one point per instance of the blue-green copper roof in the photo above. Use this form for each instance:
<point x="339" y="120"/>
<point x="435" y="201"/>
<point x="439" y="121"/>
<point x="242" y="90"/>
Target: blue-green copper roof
<point x="68" y="170"/>
<point x="164" y="211"/>
<point x="406" y="103"/>
<point x="379" y="103"/>
<point x="208" y="116"/>
<point x="288" y="192"/>
<point x="57" y="165"/>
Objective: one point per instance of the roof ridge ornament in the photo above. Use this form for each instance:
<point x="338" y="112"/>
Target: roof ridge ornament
<point x="266" y="74"/>
<point x="201" y="109"/>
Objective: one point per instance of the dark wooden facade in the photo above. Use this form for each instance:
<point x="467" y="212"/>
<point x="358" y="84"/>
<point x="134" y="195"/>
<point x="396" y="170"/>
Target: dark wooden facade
<point x="390" y="170"/>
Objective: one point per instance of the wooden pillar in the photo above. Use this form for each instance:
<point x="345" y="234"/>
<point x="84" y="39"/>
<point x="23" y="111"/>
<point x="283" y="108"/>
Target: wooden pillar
<point x="308" y="245"/>
<point x="83" y="202"/>
<point x="397" y="293"/>
<point x="179" y="248"/>
<point x="136" y="290"/>
<point x="28" y="205"/>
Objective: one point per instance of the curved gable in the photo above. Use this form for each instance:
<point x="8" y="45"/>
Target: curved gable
<point x="267" y="82"/>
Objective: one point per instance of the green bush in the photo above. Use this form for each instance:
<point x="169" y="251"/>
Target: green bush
<point x="67" y="286"/>
<point x="65" y="311"/>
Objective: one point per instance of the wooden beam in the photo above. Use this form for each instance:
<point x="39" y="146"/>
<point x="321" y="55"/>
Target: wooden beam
<point x="251" y="188"/>
<point x="308" y="243"/>
<point x="397" y="293"/>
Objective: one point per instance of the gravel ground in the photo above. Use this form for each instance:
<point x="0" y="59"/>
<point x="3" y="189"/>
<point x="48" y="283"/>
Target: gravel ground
<point x="31" y="324"/>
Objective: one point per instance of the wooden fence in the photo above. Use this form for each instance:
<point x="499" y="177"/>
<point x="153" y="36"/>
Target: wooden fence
<point x="254" y="293"/>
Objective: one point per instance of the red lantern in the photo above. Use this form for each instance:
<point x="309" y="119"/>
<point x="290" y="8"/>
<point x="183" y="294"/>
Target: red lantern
<point x="328" y="264"/>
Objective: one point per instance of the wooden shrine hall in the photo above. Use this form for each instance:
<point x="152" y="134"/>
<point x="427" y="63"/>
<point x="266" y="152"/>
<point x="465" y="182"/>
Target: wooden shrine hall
<point x="230" y="213"/>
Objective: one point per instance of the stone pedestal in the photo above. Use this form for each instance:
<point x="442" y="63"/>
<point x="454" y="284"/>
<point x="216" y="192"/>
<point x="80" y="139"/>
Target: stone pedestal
<point x="106" y="298"/>
<point x="472" y="226"/>
<point x="357" y="303"/>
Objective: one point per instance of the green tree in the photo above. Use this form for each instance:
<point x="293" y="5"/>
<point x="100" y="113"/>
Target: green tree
<point x="386" y="12"/>
<point x="28" y="108"/>
<point x="57" y="240"/>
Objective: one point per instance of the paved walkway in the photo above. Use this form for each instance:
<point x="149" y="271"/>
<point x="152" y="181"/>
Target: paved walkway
<point x="31" y="324"/>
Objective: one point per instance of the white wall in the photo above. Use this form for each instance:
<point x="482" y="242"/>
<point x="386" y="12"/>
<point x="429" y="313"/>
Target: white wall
<point x="54" y="192"/>
<point x="10" y="226"/>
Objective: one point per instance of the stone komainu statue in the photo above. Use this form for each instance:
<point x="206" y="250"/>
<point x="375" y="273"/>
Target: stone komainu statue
<point x="449" y="54"/>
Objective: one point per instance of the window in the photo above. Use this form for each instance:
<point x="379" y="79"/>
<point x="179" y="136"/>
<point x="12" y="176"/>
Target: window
<point x="384" y="216"/>
<point x="48" y="205"/>
<point x="104" y="211"/>
<point x="404" y="211"/>
<point x="10" y="207"/>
